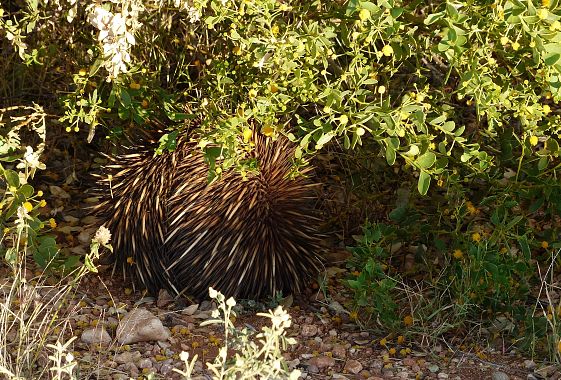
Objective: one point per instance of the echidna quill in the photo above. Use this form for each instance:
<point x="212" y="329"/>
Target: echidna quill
<point x="247" y="238"/>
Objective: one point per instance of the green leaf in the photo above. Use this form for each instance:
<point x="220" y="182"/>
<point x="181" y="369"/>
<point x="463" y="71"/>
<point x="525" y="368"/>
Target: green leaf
<point x="390" y="155"/>
<point x="26" y="190"/>
<point x="523" y="241"/>
<point x="125" y="97"/>
<point x="542" y="163"/>
<point x="426" y="160"/>
<point x="552" y="145"/>
<point x="324" y="139"/>
<point x="431" y="19"/>
<point x="11" y="177"/>
<point x="552" y="53"/>
<point x="424" y="183"/>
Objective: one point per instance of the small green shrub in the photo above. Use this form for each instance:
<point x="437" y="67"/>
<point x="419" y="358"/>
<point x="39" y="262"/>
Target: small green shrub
<point x="251" y="360"/>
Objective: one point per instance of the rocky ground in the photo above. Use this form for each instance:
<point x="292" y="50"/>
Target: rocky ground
<point x="330" y="346"/>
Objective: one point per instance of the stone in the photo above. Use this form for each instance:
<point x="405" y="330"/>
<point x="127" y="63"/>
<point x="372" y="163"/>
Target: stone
<point x="309" y="330"/>
<point x="498" y="375"/>
<point x="321" y="361"/>
<point x="141" y="325"/>
<point x="353" y="366"/>
<point x="95" y="335"/>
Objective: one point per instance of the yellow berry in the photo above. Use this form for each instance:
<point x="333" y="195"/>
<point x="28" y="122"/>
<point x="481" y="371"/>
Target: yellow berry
<point x="387" y="50"/>
<point x="534" y="140"/>
<point x="364" y="14"/>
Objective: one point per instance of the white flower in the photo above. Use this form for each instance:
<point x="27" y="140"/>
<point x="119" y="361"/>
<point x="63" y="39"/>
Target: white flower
<point x="102" y="236"/>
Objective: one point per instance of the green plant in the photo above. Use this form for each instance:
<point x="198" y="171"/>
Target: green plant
<point x="262" y="360"/>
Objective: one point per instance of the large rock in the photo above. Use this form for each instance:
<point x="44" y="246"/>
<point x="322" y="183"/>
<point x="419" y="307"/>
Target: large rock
<point x="141" y="325"/>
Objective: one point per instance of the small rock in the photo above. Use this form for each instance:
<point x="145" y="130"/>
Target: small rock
<point x="321" y="361"/>
<point x="95" y="335"/>
<point x="141" y="325"/>
<point x="312" y="368"/>
<point x="128" y="357"/>
<point x="442" y="375"/>
<point x="409" y="362"/>
<point x="498" y="375"/>
<point x="145" y="363"/>
<point x="339" y="351"/>
<point x="166" y="368"/>
<point x="130" y="368"/>
<point x="353" y="366"/>
<point x="529" y="364"/>
<point x="164" y="298"/>
<point x="309" y="330"/>
<point x="190" y="310"/>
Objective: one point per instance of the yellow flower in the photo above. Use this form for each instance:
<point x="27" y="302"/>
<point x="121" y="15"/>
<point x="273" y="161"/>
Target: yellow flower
<point x="252" y="93"/>
<point x="504" y="40"/>
<point x="546" y="3"/>
<point x="82" y="72"/>
<point x="134" y="86"/>
<point x="543" y="13"/>
<point x="546" y="109"/>
<point x="471" y="208"/>
<point x="534" y="140"/>
<point x="545" y="244"/>
<point x="400" y="339"/>
<point x="273" y="88"/>
<point x="144" y="103"/>
<point x="237" y="50"/>
<point x="247" y="134"/>
<point x="392" y="351"/>
<point x="360" y="131"/>
<point x="130" y="260"/>
<point x="408" y="320"/>
<point x="42" y="203"/>
<point x="364" y="14"/>
<point x="476" y="237"/>
<point x="556" y="25"/>
<point x="503" y="250"/>
<point x="268" y="131"/>
<point x="343" y="119"/>
<point x="387" y="50"/>
<point x="383" y="342"/>
<point x="381" y="90"/>
<point x="515" y="46"/>
<point x="559" y="346"/>
<point x="40" y="193"/>
<point x="52" y="223"/>
<point x="458" y="254"/>
<point x="275" y="30"/>
<point x="28" y="206"/>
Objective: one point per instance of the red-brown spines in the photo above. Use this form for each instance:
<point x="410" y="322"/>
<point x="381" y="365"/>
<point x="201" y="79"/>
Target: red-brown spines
<point x="246" y="238"/>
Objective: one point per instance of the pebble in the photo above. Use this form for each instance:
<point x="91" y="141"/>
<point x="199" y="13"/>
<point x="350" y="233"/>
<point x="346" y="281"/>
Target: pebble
<point x="322" y="361"/>
<point x="353" y="366"/>
<point x="529" y="364"/>
<point x="498" y="375"/>
<point x="166" y="368"/>
<point x="309" y="330"/>
<point x="442" y="375"/>
<point x="339" y="351"/>
<point x="145" y="363"/>
<point x="312" y="368"/>
<point x="128" y="357"/>
<point x="95" y="335"/>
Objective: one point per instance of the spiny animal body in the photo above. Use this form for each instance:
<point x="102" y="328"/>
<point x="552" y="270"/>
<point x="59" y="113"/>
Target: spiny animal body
<point x="246" y="237"/>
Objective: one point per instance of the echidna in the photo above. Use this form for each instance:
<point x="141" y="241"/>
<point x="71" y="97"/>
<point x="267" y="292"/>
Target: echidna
<point x="247" y="237"/>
